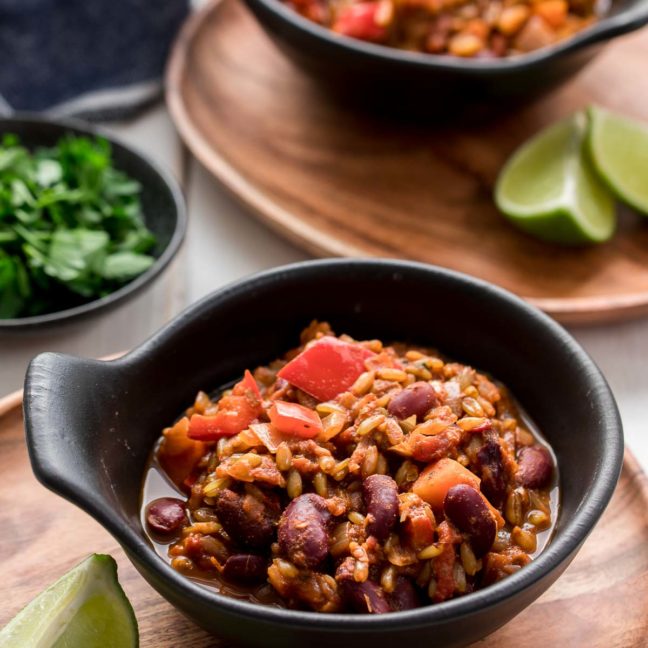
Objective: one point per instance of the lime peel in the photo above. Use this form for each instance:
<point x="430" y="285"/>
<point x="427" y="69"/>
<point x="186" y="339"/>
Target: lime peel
<point x="549" y="189"/>
<point x="85" y="607"/>
<point x="618" y="149"/>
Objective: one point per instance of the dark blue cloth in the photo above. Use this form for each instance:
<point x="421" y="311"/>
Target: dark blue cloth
<point x="54" y="51"/>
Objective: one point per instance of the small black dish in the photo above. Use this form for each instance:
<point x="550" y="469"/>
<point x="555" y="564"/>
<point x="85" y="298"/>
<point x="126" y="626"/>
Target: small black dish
<point x="91" y="426"/>
<point x="390" y="79"/>
<point x="162" y="204"/>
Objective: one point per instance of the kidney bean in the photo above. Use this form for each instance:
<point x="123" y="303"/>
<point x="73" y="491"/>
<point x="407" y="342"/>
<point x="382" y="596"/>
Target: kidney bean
<point x="303" y="533"/>
<point x="419" y="398"/>
<point x="381" y="500"/>
<point x="404" y="596"/>
<point x="365" y="598"/>
<point x="466" y="509"/>
<point x="247" y="520"/>
<point x="535" y="467"/>
<point x="493" y="483"/>
<point x="166" y="515"/>
<point x="245" y="568"/>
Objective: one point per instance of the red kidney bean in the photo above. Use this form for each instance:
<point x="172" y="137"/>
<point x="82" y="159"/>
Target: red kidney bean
<point x="404" y="596"/>
<point x="303" y="533"/>
<point x="493" y="483"/>
<point x="365" y="598"/>
<point x="247" y="520"/>
<point x="245" y="568"/>
<point x="381" y="499"/>
<point x="419" y="398"/>
<point x="166" y="515"/>
<point x="466" y="509"/>
<point x="535" y="467"/>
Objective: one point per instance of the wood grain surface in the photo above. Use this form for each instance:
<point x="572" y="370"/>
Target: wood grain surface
<point x="600" y="601"/>
<point x="339" y="182"/>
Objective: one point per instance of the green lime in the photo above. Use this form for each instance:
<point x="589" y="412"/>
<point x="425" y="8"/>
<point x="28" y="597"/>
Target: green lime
<point x="549" y="189"/>
<point x="618" y="148"/>
<point x="86" y="607"/>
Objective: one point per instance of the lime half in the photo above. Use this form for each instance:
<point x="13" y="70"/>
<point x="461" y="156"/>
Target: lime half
<point x="618" y="148"/>
<point x="549" y="189"/>
<point x="86" y="607"/>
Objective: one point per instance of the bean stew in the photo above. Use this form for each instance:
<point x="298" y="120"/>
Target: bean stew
<point x="465" y="28"/>
<point x="351" y="477"/>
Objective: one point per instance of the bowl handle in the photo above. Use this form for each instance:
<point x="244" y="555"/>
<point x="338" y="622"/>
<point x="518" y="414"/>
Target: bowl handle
<point x="615" y="25"/>
<point x="70" y="411"/>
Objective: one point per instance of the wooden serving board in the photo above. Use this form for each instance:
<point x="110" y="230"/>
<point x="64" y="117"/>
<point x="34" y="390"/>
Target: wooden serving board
<point x="341" y="183"/>
<point x="600" y="602"/>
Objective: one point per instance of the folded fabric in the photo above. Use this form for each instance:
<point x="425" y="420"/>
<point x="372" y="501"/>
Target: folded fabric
<point x="93" y="58"/>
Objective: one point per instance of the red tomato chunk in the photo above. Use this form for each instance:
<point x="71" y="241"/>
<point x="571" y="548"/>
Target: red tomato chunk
<point x="295" y="420"/>
<point x="326" y="368"/>
<point x="366" y="21"/>
<point x="236" y="412"/>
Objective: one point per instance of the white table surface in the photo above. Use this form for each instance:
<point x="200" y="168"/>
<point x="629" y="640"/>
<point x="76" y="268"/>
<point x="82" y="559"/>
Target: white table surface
<point x="225" y="243"/>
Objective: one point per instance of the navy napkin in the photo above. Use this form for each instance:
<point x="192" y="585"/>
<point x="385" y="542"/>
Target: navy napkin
<point x="99" y="59"/>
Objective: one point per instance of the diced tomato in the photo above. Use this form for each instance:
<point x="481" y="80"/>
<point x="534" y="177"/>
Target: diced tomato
<point x="365" y="20"/>
<point x="222" y="424"/>
<point x="326" y="368"/>
<point x="295" y="420"/>
<point x="248" y="382"/>
<point x="268" y="435"/>
<point x="443" y="565"/>
<point x="235" y="413"/>
<point x="419" y="527"/>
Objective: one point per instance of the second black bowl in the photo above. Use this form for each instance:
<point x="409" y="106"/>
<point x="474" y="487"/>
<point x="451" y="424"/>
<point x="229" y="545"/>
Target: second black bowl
<point x="427" y="84"/>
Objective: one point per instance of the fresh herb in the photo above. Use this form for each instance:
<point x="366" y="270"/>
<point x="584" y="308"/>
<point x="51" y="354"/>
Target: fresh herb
<point x="71" y="226"/>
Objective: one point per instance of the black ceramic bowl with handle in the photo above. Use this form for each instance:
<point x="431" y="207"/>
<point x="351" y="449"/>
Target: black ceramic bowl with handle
<point x="162" y="206"/>
<point x="91" y="426"/>
<point x="429" y="84"/>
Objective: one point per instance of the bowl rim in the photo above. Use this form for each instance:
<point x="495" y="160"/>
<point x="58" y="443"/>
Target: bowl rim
<point x="561" y="549"/>
<point x="605" y="28"/>
<point x="78" y="126"/>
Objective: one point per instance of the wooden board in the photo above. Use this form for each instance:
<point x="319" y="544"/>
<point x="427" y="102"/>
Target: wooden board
<point x="341" y="183"/>
<point x="600" y="602"/>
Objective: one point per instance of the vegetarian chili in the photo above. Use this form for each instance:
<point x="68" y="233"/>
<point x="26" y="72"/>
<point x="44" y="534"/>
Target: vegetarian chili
<point x="466" y="28"/>
<point x="351" y="477"/>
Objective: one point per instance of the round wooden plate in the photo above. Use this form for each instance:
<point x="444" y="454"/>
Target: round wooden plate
<point x="599" y="602"/>
<point x="341" y="183"/>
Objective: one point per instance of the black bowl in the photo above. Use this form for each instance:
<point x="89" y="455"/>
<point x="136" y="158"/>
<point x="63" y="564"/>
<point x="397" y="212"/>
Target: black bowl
<point x="91" y="425"/>
<point x="390" y="78"/>
<point x="162" y="205"/>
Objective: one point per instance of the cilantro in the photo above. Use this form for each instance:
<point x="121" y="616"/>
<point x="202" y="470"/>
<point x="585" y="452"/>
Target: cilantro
<point x="71" y="226"/>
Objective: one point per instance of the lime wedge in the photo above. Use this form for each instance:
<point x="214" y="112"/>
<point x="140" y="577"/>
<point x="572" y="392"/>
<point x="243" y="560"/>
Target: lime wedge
<point x="618" y="148"/>
<point x="86" y="607"/>
<point x="548" y="188"/>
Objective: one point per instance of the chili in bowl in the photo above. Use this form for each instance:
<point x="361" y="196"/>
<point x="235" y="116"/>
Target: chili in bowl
<point x="468" y="29"/>
<point x="351" y="477"/>
<point x="441" y="58"/>
<point x="94" y="435"/>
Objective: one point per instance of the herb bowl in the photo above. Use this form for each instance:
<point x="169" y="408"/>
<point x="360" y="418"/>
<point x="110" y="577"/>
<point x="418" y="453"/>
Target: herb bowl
<point x="162" y="207"/>
<point x="91" y="426"/>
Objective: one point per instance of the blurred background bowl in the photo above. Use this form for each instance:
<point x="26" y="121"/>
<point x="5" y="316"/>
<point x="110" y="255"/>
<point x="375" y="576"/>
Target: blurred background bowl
<point x="162" y="206"/>
<point x="428" y="84"/>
